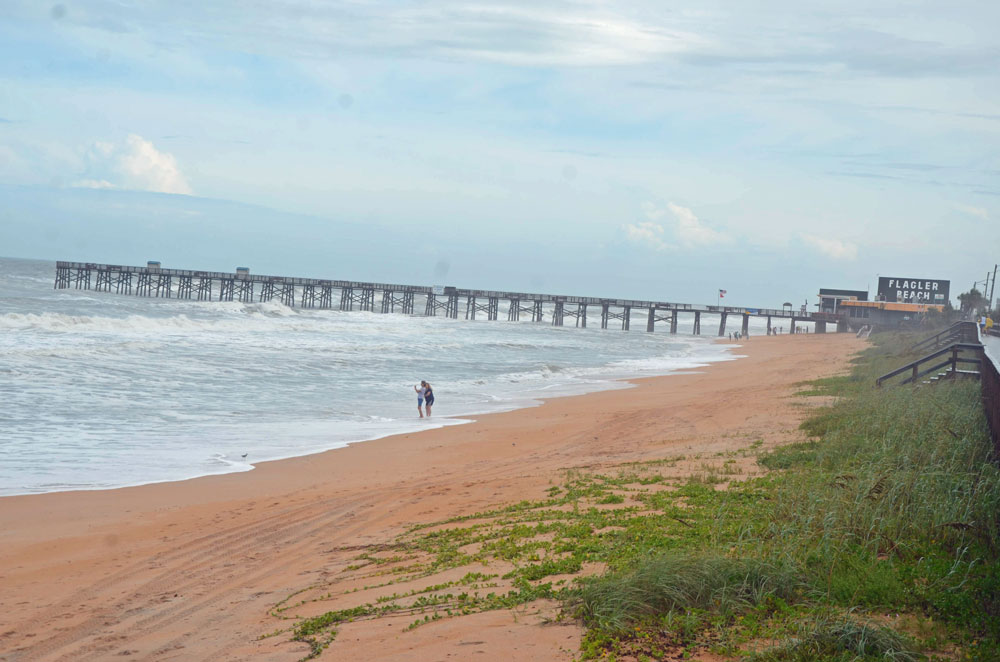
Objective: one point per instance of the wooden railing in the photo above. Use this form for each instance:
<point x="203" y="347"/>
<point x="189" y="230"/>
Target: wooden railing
<point x="990" y="375"/>
<point x="957" y="332"/>
<point x="990" y="378"/>
<point x="987" y="350"/>
<point x="918" y="368"/>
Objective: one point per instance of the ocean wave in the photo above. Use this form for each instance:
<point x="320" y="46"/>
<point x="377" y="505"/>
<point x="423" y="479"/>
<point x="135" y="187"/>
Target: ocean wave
<point x="29" y="279"/>
<point x="96" y="382"/>
<point x="63" y="322"/>
<point x="504" y="344"/>
<point x="668" y="364"/>
<point x="270" y="308"/>
<point x="263" y="318"/>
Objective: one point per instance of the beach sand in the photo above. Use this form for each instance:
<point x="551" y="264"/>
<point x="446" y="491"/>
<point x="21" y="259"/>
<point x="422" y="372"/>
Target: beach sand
<point x="189" y="570"/>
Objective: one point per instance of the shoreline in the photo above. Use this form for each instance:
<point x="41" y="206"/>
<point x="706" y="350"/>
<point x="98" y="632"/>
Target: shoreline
<point x="189" y="569"/>
<point x="519" y="403"/>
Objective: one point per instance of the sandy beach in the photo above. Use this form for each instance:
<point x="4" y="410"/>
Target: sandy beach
<point x="189" y="570"/>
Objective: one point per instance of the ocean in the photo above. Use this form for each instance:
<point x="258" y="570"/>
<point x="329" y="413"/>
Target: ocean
<point x="102" y="390"/>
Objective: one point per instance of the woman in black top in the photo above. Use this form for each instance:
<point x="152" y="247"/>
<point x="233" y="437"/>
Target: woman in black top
<point x="428" y="397"/>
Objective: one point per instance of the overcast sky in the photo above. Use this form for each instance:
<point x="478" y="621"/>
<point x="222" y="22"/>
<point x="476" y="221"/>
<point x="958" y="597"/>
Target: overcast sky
<point x="637" y="149"/>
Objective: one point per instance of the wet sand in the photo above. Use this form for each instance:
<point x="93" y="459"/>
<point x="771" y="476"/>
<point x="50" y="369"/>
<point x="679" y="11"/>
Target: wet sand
<point x="188" y="570"/>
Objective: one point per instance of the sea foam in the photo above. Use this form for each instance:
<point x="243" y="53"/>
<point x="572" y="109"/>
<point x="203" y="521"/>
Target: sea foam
<point x="104" y="390"/>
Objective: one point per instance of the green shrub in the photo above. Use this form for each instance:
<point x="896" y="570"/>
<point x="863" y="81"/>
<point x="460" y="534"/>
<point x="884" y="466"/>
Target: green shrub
<point x="679" y="582"/>
<point x="844" y="640"/>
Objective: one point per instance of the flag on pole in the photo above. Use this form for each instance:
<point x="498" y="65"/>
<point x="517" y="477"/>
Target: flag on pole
<point x="722" y="293"/>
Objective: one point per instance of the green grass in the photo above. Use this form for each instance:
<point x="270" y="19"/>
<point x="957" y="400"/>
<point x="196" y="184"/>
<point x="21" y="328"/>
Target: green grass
<point x="681" y="581"/>
<point x="890" y="510"/>
<point x="842" y="640"/>
<point x="892" y="506"/>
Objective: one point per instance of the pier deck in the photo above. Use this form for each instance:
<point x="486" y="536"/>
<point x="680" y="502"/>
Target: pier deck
<point x="153" y="281"/>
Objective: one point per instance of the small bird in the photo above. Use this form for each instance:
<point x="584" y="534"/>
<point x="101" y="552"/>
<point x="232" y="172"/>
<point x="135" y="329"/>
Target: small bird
<point x="244" y="456"/>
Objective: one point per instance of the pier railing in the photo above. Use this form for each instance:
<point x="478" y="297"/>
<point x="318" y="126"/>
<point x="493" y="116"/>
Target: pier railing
<point x="154" y="281"/>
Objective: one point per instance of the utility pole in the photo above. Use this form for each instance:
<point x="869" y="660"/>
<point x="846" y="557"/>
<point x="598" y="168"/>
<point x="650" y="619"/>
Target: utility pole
<point x="993" y="286"/>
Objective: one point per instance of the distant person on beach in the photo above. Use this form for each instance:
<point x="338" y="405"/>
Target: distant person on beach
<point x="420" y="398"/>
<point x="428" y="396"/>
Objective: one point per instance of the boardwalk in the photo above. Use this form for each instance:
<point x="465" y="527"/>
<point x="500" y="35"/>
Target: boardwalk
<point x="153" y="281"/>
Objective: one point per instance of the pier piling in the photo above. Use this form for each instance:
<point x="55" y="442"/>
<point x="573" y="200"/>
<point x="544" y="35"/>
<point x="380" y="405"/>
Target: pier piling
<point x="226" y="289"/>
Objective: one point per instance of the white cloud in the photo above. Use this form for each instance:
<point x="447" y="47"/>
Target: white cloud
<point x="152" y="169"/>
<point x="646" y="232"/>
<point x="93" y="183"/>
<point x="136" y="164"/>
<point x="535" y="36"/>
<point x="980" y="212"/>
<point x="653" y="212"/>
<point x="775" y="35"/>
<point x="688" y="229"/>
<point x="835" y="248"/>
<point x="513" y="32"/>
<point x="691" y="231"/>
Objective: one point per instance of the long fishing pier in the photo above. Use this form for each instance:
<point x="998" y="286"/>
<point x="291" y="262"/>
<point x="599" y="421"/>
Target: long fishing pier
<point x="154" y="281"/>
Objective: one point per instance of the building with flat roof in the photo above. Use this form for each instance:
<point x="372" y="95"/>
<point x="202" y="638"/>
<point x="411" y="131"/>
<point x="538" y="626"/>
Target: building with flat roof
<point x="886" y="314"/>
<point x="829" y="299"/>
<point x="898" y="302"/>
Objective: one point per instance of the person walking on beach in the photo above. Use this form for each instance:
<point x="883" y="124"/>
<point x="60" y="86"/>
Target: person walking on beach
<point x="428" y="396"/>
<point x="420" y="399"/>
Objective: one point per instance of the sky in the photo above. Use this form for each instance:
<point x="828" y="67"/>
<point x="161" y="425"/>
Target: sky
<point x="632" y="149"/>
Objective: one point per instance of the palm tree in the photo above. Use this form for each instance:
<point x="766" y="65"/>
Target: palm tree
<point x="972" y="300"/>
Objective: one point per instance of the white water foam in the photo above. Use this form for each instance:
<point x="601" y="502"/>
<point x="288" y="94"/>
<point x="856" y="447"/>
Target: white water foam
<point x="102" y="390"/>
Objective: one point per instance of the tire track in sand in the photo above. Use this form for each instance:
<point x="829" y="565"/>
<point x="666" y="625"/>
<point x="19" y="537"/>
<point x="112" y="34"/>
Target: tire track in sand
<point x="187" y="567"/>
